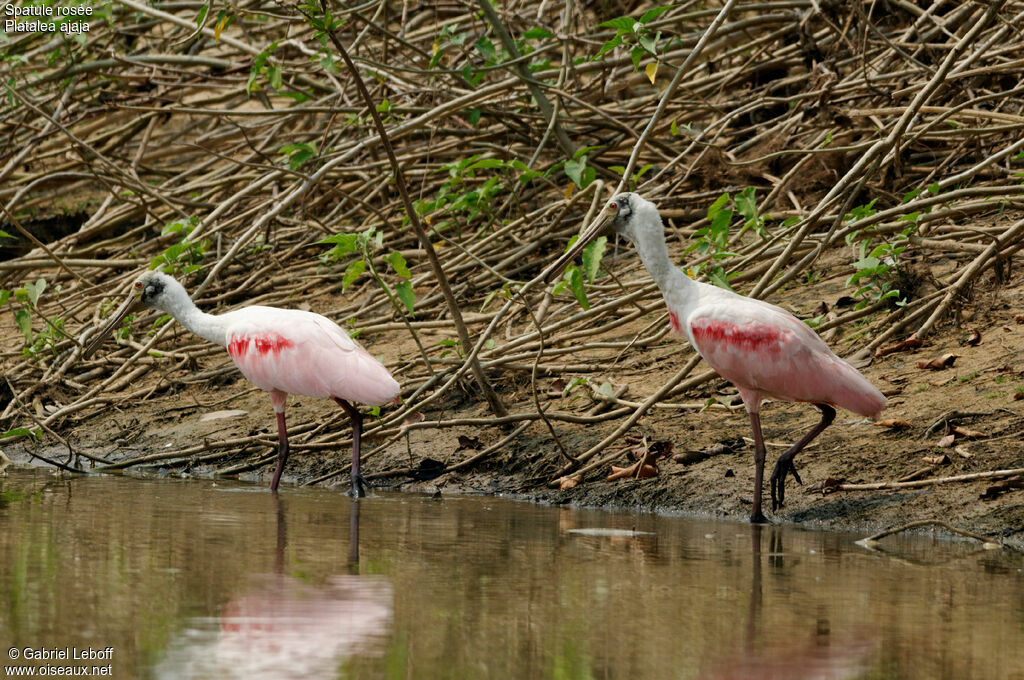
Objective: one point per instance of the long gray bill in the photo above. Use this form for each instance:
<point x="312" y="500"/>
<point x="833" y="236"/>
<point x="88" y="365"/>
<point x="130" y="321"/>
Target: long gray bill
<point x="601" y="226"/>
<point x="127" y="307"/>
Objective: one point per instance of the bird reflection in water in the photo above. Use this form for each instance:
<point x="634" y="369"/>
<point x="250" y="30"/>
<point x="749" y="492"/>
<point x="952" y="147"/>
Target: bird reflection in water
<point x="816" y="654"/>
<point x="283" y="627"/>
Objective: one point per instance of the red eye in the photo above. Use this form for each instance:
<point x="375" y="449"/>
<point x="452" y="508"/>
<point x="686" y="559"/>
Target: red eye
<point x="612" y="206"/>
<point x="138" y="284"/>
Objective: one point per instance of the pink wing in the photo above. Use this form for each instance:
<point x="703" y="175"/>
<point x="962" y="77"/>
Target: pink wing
<point x="304" y="353"/>
<point x="763" y="349"/>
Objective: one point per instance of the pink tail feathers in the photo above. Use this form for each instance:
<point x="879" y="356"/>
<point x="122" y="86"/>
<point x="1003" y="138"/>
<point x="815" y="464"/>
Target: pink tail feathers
<point x="855" y="393"/>
<point x="367" y="382"/>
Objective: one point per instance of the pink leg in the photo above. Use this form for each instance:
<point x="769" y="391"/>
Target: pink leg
<point x="756" y="516"/>
<point x="278" y="400"/>
<point x="358" y="483"/>
<point x="282" y="453"/>
<point x="785" y="463"/>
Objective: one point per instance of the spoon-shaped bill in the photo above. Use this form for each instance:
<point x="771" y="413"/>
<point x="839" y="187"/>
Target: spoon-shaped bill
<point x="598" y="228"/>
<point x="130" y="305"/>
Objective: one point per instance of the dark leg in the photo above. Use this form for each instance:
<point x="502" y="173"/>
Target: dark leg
<point x="358" y="483"/>
<point x="756" y="516"/>
<point x="282" y="453"/>
<point x="785" y="463"/>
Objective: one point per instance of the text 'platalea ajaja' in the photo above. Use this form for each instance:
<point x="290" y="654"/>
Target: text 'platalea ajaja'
<point x="761" y="349"/>
<point x="282" y="351"/>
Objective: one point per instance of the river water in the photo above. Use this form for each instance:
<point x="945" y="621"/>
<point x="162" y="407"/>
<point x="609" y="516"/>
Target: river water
<point x="168" y="578"/>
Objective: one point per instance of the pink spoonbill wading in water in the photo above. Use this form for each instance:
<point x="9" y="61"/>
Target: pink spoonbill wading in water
<point x="761" y="349"/>
<point x="282" y="351"/>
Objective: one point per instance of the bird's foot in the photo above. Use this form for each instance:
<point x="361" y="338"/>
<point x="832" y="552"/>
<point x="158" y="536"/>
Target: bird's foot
<point x="359" y="486"/>
<point x="758" y="518"/>
<point x="783" y="467"/>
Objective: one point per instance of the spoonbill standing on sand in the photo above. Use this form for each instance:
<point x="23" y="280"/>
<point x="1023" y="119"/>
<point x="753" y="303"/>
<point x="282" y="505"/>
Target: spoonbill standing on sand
<point x="761" y="349"/>
<point x="281" y="351"/>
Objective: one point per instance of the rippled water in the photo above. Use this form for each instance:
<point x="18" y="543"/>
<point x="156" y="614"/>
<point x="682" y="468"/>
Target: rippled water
<point x="197" y="579"/>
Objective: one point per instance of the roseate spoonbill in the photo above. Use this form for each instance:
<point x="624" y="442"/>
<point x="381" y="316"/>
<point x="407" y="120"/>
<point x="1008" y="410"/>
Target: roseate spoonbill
<point x="279" y="350"/>
<point x="761" y="349"/>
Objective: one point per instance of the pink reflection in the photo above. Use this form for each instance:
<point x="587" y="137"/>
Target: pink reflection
<point x="286" y="628"/>
<point x="826" y="659"/>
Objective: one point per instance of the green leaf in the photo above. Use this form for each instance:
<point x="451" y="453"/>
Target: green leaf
<point x="910" y="195"/>
<point x="384" y="106"/>
<point x="717" y="206"/>
<point x="24" y="321"/>
<point x="621" y="24"/>
<point x="487" y="163"/>
<point x="538" y="34"/>
<point x="5" y="295"/>
<point x="576" y="283"/>
<point x="35" y="290"/>
<point x="674" y="128"/>
<point x="202" y="15"/>
<point x="486" y="49"/>
<point x="406" y="295"/>
<point x="574" y="170"/>
<point x="720" y="224"/>
<point x="649" y="43"/>
<point x="608" y="47"/>
<point x="16" y="432"/>
<point x="636" y="54"/>
<point x="275" y="76"/>
<point x="4" y="234"/>
<point x="746" y="204"/>
<point x="347" y="242"/>
<point x="592" y="255"/>
<point x="352" y="272"/>
<point x="652" y="14"/>
<point x="398" y="264"/>
<point x="867" y="263"/>
<point x="257" y="68"/>
<point x="717" y="276"/>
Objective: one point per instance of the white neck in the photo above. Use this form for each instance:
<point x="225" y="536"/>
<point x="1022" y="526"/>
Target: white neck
<point x="176" y="302"/>
<point x="677" y="288"/>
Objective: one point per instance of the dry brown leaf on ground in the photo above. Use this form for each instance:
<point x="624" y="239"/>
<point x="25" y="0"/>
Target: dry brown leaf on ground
<point x="825" y="486"/>
<point x="638" y="470"/>
<point x="964" y="432"/>
<point x="938" y="363"/>
<point x="893" y="423"/>
<point x="568" y="482"/>
<point x="901" y="346"/>
<point x="471" y="443"/>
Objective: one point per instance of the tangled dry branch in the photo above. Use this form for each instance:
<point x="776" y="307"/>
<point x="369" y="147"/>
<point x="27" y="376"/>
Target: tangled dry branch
<point x="226" y="142"/>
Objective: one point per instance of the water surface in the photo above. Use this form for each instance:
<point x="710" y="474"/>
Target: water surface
<point x="203" y="579"/>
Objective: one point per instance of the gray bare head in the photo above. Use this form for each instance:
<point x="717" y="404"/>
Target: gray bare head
<point x="628" y="214"/>
<point x="153" y="289"/>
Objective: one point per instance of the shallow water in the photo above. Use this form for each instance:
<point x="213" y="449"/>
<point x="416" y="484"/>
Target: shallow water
<point x="202" y="579"/>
